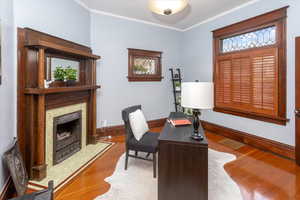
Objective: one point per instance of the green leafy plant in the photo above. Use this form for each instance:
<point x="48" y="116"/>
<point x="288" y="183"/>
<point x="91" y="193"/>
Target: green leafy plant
<point x="59" y="74"/>
<point x="188" y="111"/>
<point x="177" y="84"/>
<point x="71" y="74"/>
<point x="178" y="99"/>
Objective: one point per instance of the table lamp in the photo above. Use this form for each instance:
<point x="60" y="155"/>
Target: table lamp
<point x="197" y="96"/>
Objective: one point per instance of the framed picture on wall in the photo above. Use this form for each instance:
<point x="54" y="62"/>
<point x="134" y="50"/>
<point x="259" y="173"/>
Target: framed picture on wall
<point x="144" y="65"/>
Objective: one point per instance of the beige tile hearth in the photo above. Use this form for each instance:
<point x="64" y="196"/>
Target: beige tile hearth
<point x="68" y="169"/>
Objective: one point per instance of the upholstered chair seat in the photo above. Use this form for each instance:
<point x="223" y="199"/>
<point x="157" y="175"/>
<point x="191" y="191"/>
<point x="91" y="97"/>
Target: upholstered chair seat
<point x="148" y="143"/>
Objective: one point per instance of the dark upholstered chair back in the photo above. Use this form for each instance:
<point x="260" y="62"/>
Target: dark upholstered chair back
<point x="125" y="117"/>
<point x="148" y="143"/>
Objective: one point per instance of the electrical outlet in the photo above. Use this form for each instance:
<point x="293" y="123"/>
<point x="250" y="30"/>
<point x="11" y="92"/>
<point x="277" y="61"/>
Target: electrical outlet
<point x="103" y="123"/>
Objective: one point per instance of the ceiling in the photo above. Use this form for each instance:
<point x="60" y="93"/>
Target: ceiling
<point x="198" y="11"/>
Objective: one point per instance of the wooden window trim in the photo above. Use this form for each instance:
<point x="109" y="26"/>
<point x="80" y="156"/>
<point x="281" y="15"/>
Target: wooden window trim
<point x="252" y="23"/>
<point x="156" y="55"/>
<point x="277" y="18"/>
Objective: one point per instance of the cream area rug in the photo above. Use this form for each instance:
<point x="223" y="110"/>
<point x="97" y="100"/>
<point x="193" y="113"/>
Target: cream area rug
<point x="137" y="183"/>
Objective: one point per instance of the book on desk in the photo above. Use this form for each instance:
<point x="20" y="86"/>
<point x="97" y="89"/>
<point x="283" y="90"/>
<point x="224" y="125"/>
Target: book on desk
<point x="179" y="122"/>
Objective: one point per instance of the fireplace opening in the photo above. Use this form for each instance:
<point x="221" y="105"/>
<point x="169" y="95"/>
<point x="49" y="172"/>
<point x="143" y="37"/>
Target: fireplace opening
<point x="66" y="136"/>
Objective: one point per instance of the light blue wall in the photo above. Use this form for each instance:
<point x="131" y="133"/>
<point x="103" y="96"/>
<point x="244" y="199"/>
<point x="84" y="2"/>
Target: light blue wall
<point x="62" y="18"/>
<point x="198" y="65"/>
<point x="110" y="38"/>
<point x="8" y="87"/>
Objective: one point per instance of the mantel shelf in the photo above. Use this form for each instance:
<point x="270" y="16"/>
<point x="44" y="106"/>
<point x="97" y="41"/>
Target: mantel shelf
<point x="60" y="48"/>
<point x="43" y="91"/>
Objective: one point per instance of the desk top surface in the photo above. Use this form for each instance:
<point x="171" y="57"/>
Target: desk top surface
<point x="180" y="134"/>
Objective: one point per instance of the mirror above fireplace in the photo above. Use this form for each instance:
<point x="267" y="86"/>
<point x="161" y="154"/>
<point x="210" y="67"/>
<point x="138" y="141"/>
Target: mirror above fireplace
<point x="55" y="62"/>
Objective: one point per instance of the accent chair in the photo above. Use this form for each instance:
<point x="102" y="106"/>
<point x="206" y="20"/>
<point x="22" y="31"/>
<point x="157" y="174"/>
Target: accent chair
<point x="147" y="144"/>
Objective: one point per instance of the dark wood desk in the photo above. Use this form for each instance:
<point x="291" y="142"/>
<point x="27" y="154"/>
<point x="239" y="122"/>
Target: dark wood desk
<point x="182" y="164"/>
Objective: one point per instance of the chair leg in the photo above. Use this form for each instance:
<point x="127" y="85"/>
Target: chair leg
<point x="154" y="165"/>
<point x="126" y="159"/>
<point x="136" y="153"/>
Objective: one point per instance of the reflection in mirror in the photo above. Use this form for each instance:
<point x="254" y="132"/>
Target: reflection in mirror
<point x="53" y="63"/>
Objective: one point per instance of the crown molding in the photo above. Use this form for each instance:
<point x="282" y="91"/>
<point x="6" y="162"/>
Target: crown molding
<point x="165" y="26"/>
<point x="221" y="15"/>
<point x="82" y="4"/>
<point x="134" y="19"/>
<point x="125" y="18"/>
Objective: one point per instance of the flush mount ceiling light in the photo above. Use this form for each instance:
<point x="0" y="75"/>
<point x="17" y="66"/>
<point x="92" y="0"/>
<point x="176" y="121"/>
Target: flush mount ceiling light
<point x="167" y="7"/>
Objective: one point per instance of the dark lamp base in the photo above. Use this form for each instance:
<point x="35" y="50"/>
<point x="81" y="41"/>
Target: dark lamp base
<point x="196" y="123"/>
<point x="197" y="137"/>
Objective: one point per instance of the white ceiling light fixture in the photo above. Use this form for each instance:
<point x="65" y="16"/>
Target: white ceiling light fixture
<point x="167" y="7"/>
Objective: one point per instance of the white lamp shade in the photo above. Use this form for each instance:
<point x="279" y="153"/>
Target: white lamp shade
<point x="197" y="95"/>
<point x="167" y="7"/>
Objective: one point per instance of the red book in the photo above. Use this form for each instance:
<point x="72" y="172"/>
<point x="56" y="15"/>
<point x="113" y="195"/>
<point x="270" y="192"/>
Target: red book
<point x="180" y="122"/>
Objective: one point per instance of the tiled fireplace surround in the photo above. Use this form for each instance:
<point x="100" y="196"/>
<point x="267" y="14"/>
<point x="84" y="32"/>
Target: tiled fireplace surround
<point x="49" y="137"/>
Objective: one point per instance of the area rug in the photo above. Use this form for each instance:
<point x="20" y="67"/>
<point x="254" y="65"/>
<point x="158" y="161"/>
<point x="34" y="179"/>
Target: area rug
<point x="63" y="172"/>
<point x="137" y="183"/>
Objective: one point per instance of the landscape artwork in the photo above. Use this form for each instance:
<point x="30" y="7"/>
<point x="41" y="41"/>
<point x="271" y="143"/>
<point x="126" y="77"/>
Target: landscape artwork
<point x="144" y="66"/>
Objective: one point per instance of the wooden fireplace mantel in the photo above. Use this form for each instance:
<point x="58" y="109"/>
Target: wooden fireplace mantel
<point x="41" y="44"/>
<point x="34" y="99"/>
<point x="43" y="91"/>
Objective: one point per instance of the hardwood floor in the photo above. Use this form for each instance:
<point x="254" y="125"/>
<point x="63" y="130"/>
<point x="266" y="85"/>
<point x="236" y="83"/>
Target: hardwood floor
<point x="259" y="175"/>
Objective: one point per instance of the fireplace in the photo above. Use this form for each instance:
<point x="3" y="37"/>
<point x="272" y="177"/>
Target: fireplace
<point x="67" y="134"/>
<point x="39" y="105"/>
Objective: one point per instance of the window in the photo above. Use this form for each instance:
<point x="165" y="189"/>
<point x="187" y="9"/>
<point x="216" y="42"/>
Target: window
<point x="144" y="65"/>
<point x="250" y="68"/>
<point x="254" y="39"/>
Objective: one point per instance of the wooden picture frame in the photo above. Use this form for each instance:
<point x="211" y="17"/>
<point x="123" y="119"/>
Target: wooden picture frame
<point x="16" y="167"/>
<point x="144" y="65"/>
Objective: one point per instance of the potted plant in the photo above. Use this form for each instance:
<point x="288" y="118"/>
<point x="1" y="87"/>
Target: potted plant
<point x="189" y="111"/>
<point x="178" y="100"/>
<point x="177" y="86"/>
<point x="59" y="77"/>
<point x="71" y="76"/>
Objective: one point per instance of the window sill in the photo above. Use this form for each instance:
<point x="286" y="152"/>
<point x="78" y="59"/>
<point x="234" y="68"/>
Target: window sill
<point x="275" y="120"/>
<point x="144" y="78"/>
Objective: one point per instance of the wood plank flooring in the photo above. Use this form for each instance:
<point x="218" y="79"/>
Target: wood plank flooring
<point x="259" y="175"/>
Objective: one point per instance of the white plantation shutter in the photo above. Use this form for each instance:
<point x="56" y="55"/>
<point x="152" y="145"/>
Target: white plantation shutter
<point x="248" y="81"/>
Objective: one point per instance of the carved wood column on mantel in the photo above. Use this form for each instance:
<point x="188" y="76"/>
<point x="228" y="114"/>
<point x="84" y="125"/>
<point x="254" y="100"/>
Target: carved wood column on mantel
<point x="39" y="169"/>
<point x="93" y="106"/>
